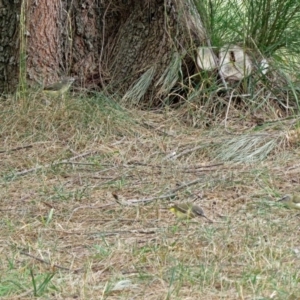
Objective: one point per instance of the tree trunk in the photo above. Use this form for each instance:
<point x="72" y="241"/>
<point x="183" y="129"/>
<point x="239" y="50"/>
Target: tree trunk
<point x="49" y="42"/>
<point x="10" y="12"/>
<point x="138" y="49"/>
<point x="155" y="39"/>
<point x="65" y="40"/>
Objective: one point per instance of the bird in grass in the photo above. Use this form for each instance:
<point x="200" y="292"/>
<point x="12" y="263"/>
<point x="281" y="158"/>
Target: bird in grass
<point x="186" y="211"/>
<point x="59" y="88"/>
<point x="292" y="201"/>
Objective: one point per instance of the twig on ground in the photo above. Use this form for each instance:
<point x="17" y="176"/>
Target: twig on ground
<point x="171" y="194"/>
<point x="88" y="207"/>
<point x="16" y="149"/>
<point x="48" y="263"/>
<point x="149" y="126"/>
<point x="188" y="151"/>
<point x="24" y="172"/>
<point x="134" y="201"/>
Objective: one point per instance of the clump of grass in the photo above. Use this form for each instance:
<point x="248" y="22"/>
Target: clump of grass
<point x="134" y="95"/>
<point x="62" y="220"/>
<point x="266" y="29"/>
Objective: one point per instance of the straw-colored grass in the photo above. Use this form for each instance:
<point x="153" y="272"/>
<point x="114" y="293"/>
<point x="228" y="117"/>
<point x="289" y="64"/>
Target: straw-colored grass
<point x="75" y="174"/>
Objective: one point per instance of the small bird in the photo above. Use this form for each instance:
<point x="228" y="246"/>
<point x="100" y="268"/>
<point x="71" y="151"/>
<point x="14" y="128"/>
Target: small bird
<point x="292" y="201"/>
<point x="186" y="211"/>
<point x="59" y="88"/>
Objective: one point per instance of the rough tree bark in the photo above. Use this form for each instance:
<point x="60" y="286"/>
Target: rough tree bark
<point x="154" y="40"/>
<point x="10" y="12"/>
<point x="136" y="48"/>
<point x="49" y="42"/>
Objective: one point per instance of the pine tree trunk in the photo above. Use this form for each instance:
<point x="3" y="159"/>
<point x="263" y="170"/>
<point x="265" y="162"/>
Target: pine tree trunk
<point x="135" y="48"/>
<point x="10" y="12"/>
<point x="48" y="45"/>
<point x="156" y="39"/>
<point x="64" y="41"/>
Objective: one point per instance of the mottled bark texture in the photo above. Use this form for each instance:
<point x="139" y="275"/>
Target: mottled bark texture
<point x="10" y="12"/>
<point x="49" y="41"/>
<point x="64" y="40"/>
<point x="154" y="38"/>
<point x="138" y="49"/>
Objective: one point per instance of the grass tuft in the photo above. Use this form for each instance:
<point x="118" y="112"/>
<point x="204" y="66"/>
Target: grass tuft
<point x="74" y="220"/>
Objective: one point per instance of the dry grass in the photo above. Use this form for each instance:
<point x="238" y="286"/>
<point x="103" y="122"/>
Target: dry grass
<point x="61" y="218"/>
